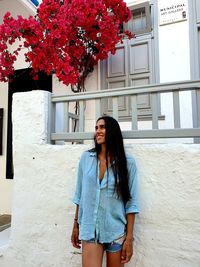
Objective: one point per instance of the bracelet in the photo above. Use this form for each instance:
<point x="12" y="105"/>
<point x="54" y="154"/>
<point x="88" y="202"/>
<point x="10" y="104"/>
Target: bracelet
<point x="75" y="219"/>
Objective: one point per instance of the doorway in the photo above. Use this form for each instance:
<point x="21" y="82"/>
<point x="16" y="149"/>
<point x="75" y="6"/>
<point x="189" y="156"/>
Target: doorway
<point x="22" y="82"/>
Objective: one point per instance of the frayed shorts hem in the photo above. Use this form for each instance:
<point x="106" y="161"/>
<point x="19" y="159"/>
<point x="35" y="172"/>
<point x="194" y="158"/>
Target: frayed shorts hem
<point x="108" y="247"/>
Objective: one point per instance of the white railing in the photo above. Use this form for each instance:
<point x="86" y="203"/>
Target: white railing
<point x="155" y="90"/>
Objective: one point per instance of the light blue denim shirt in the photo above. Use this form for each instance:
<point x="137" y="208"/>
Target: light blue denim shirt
<point x="102" y="215"/>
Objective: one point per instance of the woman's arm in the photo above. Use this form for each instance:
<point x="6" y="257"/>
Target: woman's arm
<point x="131" y="209"/>
<point x="127" y="249"/>
<point x="75" y="231"/>
<point x="76" y="199"/>
<point x="130" y="225"/>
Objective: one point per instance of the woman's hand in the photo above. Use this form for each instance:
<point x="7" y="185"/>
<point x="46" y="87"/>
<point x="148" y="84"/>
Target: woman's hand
<point x="75" y="236"/>
<point x="127" y="251"/>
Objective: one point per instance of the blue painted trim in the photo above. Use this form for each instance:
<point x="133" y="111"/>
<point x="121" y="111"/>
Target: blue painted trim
<point x="35" y="2"/>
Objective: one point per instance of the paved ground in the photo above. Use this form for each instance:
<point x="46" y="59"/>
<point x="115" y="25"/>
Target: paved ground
<point x="5" y="222"/>
<point x="4" y="237"/>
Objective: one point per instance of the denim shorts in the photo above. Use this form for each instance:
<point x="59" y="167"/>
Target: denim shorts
<point x="113" y="246"/>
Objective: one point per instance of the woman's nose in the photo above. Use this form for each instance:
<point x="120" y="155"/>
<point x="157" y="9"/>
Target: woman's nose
<point x="98" y="130"/>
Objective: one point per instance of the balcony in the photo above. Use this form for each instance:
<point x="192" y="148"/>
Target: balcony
<point x="182" y="103"/>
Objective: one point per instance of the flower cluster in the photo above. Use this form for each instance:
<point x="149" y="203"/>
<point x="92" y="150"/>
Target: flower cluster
<point x="67" y="37"/>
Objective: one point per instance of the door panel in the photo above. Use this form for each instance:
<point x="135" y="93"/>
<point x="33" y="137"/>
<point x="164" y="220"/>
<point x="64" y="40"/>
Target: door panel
<point x="122" y="101"/>
<point x="114" y="68"/>
<point x="143" y="101"/>
<point x="139" y="57"/>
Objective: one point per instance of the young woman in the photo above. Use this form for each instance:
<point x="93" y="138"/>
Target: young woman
<point x="106" y="199"/>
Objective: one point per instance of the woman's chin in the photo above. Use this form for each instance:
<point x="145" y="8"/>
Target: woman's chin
<point x="100" y="142"/>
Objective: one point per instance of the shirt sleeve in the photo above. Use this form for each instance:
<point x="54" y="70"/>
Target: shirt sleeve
<point x="132" y="205"/>
<point x="77" y="195"/>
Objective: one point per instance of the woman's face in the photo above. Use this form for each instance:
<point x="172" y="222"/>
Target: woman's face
<point x="100" y="132"/>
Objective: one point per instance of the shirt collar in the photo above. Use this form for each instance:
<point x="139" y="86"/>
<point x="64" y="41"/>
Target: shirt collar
<point x="93" y="154"/>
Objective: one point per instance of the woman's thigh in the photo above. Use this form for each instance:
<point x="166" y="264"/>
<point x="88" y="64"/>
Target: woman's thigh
<point x="113" y="259"/>
<point x="92" y="254"/>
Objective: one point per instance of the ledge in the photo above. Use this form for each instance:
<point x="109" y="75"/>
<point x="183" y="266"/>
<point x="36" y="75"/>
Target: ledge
<point x="5" y="221"/>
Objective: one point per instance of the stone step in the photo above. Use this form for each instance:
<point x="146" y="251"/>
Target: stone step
<point x="5" y="221"/>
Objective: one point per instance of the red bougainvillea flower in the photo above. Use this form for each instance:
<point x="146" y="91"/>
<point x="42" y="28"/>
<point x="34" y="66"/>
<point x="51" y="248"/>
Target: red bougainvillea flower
<point x="66" y="37"/>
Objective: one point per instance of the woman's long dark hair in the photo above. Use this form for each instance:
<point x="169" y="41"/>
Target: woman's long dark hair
<point x="115" y="149"/>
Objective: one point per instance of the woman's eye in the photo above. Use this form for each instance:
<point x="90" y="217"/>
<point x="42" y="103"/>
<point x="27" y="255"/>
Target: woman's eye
<point x="99" y="127"/>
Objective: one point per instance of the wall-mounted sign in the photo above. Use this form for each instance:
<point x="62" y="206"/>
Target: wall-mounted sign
<point x="174" y="12"/>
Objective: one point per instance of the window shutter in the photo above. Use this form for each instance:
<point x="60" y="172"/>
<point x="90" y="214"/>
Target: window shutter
<point x="141" y="19"/>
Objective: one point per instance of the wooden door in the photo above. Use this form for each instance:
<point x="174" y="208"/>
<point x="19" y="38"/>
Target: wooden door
<point x="132" y="65"/>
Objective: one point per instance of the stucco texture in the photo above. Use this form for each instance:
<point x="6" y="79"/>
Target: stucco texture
<point x="167" y="230"/>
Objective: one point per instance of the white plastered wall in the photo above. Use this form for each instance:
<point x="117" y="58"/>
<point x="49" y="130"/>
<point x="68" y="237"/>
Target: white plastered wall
<point x="174" y="60"/>
<point x="171" y="49"/>
<point x="5" y="184"/>
<point x="24" y="8"/>
<point x="166" y="230"/>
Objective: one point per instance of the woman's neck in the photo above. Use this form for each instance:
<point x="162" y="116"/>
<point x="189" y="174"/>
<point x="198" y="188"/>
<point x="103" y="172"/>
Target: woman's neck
<point x="102" y="154"/>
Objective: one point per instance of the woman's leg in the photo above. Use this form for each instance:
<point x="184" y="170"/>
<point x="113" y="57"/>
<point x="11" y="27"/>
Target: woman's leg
<point x="92" y="254"/>
<point x="113" y="259"/>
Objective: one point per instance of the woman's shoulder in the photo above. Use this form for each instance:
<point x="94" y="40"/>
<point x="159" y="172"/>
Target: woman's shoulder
<point x="87" y="154"/>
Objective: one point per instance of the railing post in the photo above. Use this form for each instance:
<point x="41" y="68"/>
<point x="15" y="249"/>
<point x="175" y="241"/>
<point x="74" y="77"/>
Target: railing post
<point x="154" y="110"/>
<point x="134" y="112"/>
<point x="196" y="111"/>
<point x="81" y="116"/>
<point x="115" y="107"/>
<point x="98" y="108"/>
<point x="176" y="109"/>
<point x="51" y="119"/>
<point x="66" y="117"/>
